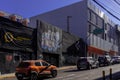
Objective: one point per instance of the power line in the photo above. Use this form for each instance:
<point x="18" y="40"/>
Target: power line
<point x="117" y="2"/>
<point x="107" y="10"/>
<point x="112" y="3"/>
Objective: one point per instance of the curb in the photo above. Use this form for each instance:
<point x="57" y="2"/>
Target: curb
<point x="66" y="67"/>
<point x="11" y="75"/>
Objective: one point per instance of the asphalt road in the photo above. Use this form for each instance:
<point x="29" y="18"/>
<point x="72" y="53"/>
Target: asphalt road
<point x="74" y="74"/>
<point x="93" y="74"/>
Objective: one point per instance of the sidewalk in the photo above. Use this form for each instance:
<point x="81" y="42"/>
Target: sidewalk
<point x="11" y="75"/>
<point x="7" y="76"/>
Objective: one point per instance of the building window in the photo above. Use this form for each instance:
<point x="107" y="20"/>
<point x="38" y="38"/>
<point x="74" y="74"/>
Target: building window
<point x="93" y="18"/>
<point x="89" y="15"/>
<point x="89" y="28"/>
<point x="105" y="37"/>
<point x="100" y="22"/>
<point x="105" y="26"/>
<point x="96" y="20"/>
<point x="17" y="58"/>
<point x="110" y="32"/>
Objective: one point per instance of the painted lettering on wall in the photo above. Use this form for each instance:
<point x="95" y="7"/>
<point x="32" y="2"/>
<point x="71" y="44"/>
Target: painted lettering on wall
<point x="9" y="37"/>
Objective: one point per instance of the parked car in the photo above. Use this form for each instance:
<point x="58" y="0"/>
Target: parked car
<point x="104" y="60"/>
<point x="115" y="59"/>
<point x="87" y="63"/>
<point x="33" y="69"/>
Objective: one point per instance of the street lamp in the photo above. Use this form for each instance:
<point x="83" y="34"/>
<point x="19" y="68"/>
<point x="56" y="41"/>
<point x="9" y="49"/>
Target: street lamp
<point x="68" y="23"/>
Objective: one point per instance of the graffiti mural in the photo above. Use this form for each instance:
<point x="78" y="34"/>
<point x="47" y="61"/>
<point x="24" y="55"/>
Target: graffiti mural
<point x="50" y="40"/>
<point x="50" y="37"/>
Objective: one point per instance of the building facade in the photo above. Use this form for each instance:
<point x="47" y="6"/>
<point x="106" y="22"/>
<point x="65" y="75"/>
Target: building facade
<point x="82" y="19"/>
<point x="56" y="46"/>
<point x="15" y="44"/>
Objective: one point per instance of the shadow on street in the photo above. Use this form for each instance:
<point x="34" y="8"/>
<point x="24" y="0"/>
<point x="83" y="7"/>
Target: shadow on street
<point x="115" y="76"/>
<point x="75" y="70"/>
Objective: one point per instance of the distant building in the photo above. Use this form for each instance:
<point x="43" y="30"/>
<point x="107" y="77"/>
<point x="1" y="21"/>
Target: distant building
<point x="15" y="17"/>
<point x="85" y="20"/>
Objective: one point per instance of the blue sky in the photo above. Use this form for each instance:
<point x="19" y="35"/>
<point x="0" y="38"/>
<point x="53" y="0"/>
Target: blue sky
<point x="28" y="8"/>
<point x="112" y="7"/>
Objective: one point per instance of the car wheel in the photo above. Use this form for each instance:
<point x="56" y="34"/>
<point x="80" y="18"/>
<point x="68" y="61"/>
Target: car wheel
<point x="78" y="68"/>
<point x="33" y="76"/>
<point x="54" y="73"/>
<point x="97" y="65"/>
<point x="108" y="64"/>
<point x="100" y="65"/>
<point x="19" y="78"/>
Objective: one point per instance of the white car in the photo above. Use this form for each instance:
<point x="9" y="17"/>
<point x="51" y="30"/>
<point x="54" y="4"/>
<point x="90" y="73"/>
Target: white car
<point x="115" y="59"/>
<point x="87" y="63"/>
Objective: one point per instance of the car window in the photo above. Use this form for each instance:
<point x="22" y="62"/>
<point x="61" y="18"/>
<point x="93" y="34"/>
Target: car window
<point x="37" y="64"/>
<point x="107" y="57"/>
<point x="100" y="58"/>
<point x="45" y="64"/>
<point x="83" y="60"/>
<point x="116" y="57"/>
<point x="91" y="59"/>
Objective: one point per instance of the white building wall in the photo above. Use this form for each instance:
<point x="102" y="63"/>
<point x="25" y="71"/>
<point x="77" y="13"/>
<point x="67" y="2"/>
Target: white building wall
<point x="97" y="42"/>
<point x="102" y="44"/>
<point x="58" y="17"/>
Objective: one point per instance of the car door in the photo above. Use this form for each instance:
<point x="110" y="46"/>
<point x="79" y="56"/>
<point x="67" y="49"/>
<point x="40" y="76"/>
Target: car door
<point x="46" y="67"/>
<point x="93" y="63"/>
<point x="39" y="67"/>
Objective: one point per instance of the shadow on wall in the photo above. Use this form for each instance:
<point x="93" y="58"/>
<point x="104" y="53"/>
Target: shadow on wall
<point x="76" y="50"/>
<point x="79" y="48"/>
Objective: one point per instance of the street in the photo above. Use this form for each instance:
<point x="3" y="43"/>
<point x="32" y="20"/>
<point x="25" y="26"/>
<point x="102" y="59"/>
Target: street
<point x="74" y="74"/>
<point x="93" y="74"/>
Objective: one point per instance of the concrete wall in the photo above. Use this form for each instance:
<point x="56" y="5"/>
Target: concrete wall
<point x="78" y="23"/>
<point x="58" y="17"/>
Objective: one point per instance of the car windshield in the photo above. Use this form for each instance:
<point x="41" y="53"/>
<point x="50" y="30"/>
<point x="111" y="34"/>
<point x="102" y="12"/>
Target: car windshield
<point x="101" y="58"/>
<point x="114" y="57"/>
<point x="24" y="64"/>
<point x="83" y="60"/>
<point x="108" y="57"/>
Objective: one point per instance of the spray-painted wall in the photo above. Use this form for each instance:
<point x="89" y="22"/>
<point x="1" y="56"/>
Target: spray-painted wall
<point x="15" y="44"/>
<point x="73" y="47"/>
<point x="57" y="45"/>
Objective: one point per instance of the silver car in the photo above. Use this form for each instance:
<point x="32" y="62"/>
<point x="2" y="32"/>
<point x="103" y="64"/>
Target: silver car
<point x="87" y="63"/>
